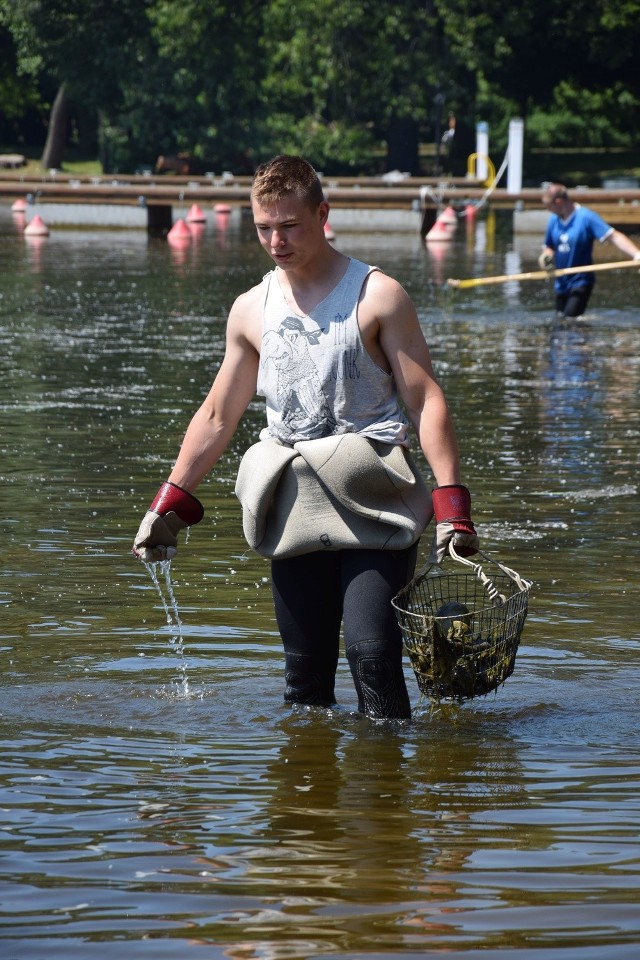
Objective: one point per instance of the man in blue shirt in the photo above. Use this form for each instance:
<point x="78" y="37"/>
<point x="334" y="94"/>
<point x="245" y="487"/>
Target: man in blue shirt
<point x="571" y="232"/>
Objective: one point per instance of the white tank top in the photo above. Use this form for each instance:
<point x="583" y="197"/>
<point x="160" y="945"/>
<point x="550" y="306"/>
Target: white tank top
<point x="315" y="374"/>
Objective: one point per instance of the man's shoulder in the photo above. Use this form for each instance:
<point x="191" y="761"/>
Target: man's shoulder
<point x="586" y="213"/>
<point x="590" y="217"/>
<point x="379" y="283"/>
<point x="252" y="298"/>
<point x="384" y="302"/>
<point x="244" y="325"/>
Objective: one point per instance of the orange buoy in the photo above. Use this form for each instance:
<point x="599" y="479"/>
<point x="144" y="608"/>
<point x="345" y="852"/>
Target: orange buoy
<point x="19" y="205"/>
<point x="195" y="214"/>
<point x="441" y="231"/>
<point x="222" y="208"/>
<point x="36" y="228"/>
<point x="445" y="226"/>
<point x="448" y="215"/>
<point x="328" y="232"/>
<point x="179" y="232"/>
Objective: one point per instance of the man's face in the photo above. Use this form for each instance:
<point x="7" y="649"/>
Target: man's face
<point x="553" y="202"/>
<point x="289" y="230"/>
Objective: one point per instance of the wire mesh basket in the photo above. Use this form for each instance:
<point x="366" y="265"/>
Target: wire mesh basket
<point x="462" y="629"/>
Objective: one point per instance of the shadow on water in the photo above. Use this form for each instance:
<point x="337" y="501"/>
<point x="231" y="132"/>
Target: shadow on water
<point x="155" y="793"/>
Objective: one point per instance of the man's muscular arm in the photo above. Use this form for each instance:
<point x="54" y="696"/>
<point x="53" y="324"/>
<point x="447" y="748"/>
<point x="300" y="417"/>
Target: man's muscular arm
<point x="174" y="506"/>
<point x="389" y="317"/>
<point x="215" y="422"/>
<point x="387" y="311"/>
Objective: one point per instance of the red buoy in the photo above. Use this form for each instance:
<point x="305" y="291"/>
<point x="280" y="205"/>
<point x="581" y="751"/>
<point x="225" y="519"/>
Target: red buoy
<point x="448" y="215"/>
<point x="441" y="231"/>
<point x="179" y="231"/>
<point x="195" y="214"/>
<point x="36" y="228"/>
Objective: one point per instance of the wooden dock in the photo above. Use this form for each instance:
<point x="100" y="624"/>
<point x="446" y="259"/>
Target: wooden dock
<point x="422" y="196"/>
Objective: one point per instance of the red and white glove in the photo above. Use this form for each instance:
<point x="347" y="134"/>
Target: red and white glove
<point x="172" y="510"/>
<point x="452" y="511"/>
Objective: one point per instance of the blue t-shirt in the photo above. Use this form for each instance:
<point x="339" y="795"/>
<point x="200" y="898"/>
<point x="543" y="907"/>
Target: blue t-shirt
<point x="572" y="242"/>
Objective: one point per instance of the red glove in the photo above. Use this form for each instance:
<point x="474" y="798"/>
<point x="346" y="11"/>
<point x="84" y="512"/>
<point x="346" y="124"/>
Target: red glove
<point x="452" y="510"/>
<point x="172" y="509"/>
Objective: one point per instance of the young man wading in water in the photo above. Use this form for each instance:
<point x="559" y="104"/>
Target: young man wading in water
<point x="330" y="493"/>
<point x="570" y="235"/>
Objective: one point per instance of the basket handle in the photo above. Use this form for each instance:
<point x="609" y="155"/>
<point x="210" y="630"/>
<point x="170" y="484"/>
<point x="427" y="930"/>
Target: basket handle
<point x="494" y="594"/>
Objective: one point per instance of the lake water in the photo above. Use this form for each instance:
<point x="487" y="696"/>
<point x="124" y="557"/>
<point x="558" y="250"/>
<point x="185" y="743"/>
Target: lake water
<point x="157" y="799"/>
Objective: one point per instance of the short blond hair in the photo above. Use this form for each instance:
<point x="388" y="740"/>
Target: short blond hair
<point x="286" y="174"/>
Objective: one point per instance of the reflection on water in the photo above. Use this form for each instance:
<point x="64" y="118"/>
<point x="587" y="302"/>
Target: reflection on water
<point x="155" y="794"/>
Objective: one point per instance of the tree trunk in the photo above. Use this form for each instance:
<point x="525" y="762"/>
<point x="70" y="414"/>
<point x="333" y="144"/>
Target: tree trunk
<point x="57" y="133"/>
<point x="403" y="146"/>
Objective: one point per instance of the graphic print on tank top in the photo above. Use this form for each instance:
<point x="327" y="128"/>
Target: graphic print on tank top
<point x="304" y="404"/>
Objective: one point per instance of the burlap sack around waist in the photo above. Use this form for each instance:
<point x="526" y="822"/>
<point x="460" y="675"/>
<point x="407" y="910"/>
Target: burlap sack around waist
<point x="336" y="493"/>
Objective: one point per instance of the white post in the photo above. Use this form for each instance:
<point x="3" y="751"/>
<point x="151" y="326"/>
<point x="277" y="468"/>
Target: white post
<point x="514" y="169"/>
<point x="482" y="150"/>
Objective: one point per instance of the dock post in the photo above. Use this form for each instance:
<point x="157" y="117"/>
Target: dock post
<point x="514" y="169"/>
<point x="482" y="150"/>
<point x="159" y="218"/>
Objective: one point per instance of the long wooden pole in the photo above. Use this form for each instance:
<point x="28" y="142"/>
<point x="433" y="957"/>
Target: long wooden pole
<point x="542" y="274"/>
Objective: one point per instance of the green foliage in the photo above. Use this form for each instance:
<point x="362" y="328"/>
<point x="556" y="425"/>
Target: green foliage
<point x="578" y="116"/>
<point x="18" y="93"/>
<point x="332" y="146"/>
<point x="209" y="56"/>
<point x="88" y="44"/>
<point x="233" y="81"/>
<point x="361" y="67"/>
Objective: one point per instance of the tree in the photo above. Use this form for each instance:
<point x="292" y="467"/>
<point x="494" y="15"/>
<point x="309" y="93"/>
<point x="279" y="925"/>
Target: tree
<point x="355" y="85"/>
<point x="345" y="80"/>
<point x="57" y="133"/>
<point x="527" y="58"/>
<point x="210" y="55"/>
<point x="81" y="48"/>
<point x="19" y="96"/>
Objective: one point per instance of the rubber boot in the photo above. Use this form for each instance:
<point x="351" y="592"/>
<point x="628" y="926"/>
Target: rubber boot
<point x="380" y="685"/>
<point x="305" y="684"/>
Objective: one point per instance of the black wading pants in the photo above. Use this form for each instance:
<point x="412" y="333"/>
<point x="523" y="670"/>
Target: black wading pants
<point x="574" y="303"/>
<point x="313" y="595"/>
